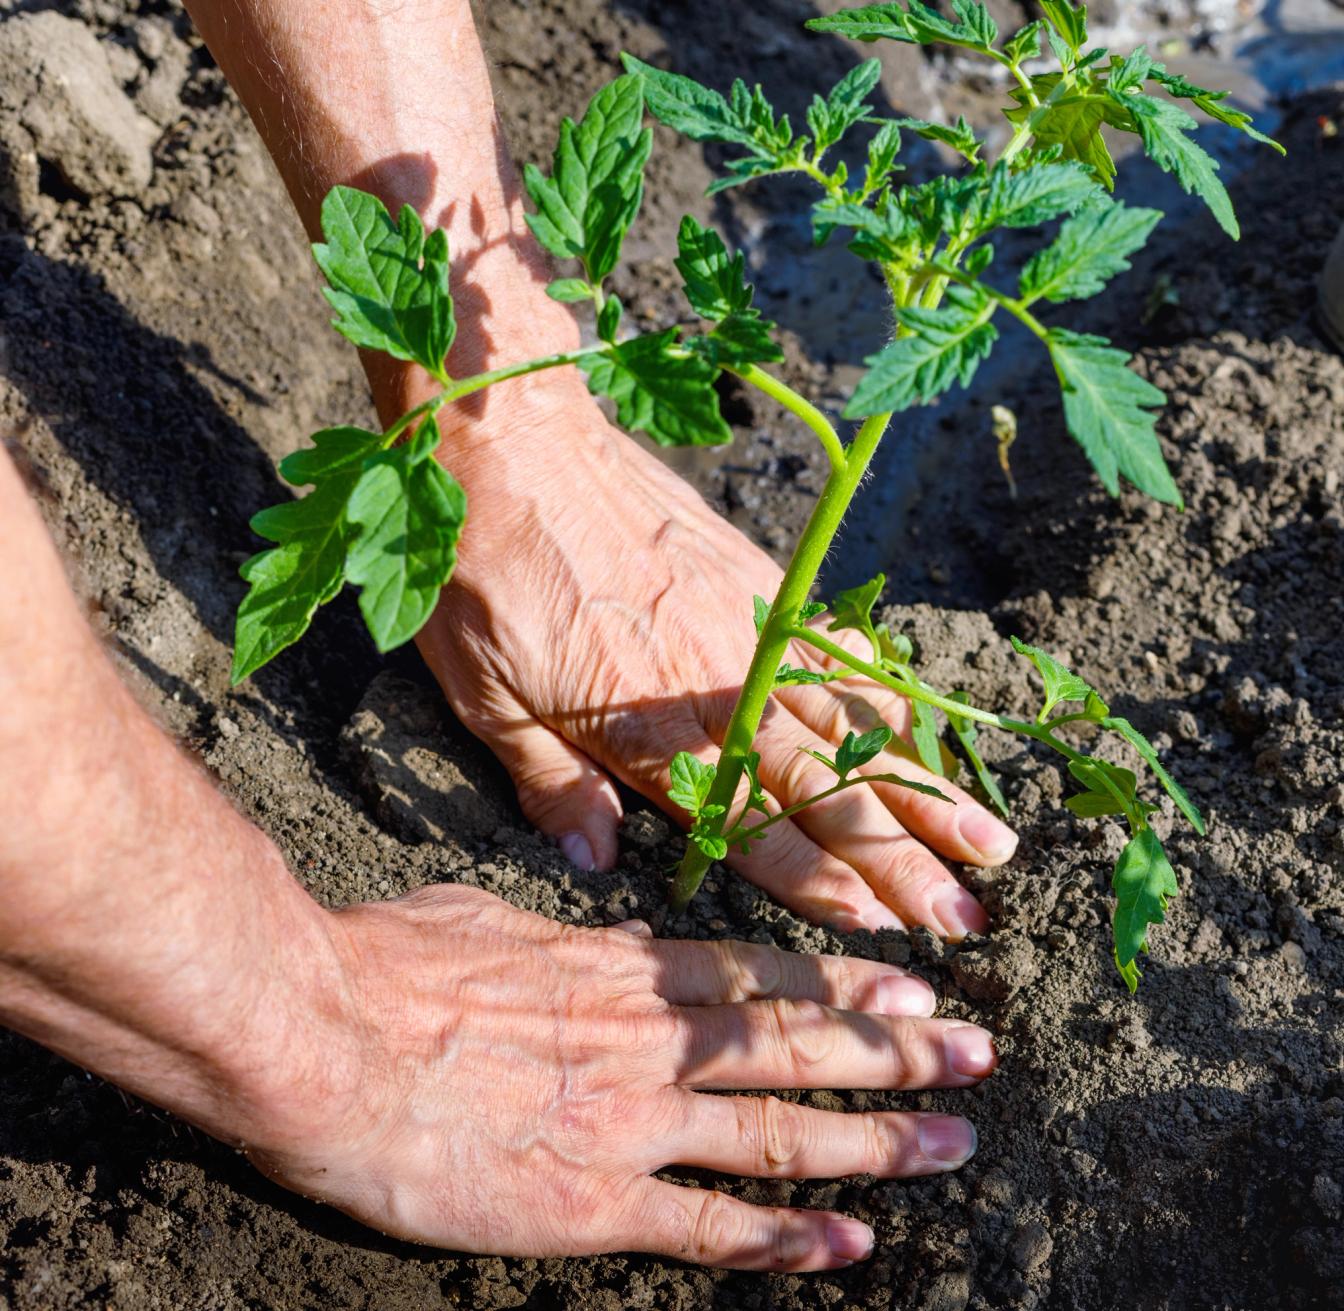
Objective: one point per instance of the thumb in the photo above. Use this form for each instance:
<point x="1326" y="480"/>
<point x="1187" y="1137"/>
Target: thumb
<point x="563" y="793"/>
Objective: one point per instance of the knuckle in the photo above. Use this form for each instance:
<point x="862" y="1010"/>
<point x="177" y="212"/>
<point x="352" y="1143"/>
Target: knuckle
<point x="778" y="1135"/>
<point x="880" y="1146"/>
<point x="805" y="1032"/>
<point x="753" y="971"/>
<point x="719" y="1229"/>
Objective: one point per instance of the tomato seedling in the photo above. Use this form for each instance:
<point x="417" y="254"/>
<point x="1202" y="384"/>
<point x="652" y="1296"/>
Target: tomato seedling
<point x="386" y="516"/>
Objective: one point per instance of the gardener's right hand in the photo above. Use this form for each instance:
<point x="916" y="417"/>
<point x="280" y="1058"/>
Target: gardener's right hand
<point x="495" y="1082"/>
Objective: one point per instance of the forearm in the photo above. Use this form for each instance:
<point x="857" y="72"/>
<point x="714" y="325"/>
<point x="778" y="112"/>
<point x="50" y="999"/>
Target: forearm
<point x="147" y="931"/>
<point x="396" y="99"/>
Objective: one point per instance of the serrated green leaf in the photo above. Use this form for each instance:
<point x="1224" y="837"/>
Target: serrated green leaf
<point x="1109" y="411"/>
<point x="1069" y="20"/>
<point x="715" y="282"/>
<point x="587" y="205"/>
<point x="788" y="675"/>
<point x="886" y="234"/>
<point x="1149" y="753"/>
<point x="1025" y="43"/>
<point x="748" y="169"/>
<point x="960" y="136"/>
<point x="1162" y="127"/>
<point x="1090" y="250"/>
<point x="965" y="732"/>
<point x="810" y="610"/>
<point x="1073" y="126"/>
<point x="1143" y="881"/>
<point x="1211" y="103"/>
<point x="1061" y="684"/>
<point x="739" y="339"/>
<point x="409" y="513"/>
<point x="288" y="583"/>
<point x="668" y="395"/>
<point x="853" y="608"/>
<point x="916" y="24"/>
<point x="1130" y="73"/>
<point x="691" y="781"/>
<point x="945" y="346"/>
<point x="334" y="450"/>
<point x="859" y="748"/>
<point x="609" y="318"/>
<point x="387" y="283"/>
<point x="1029" y="197"/>
<point x="867" y="23"/>
<point x="831" y="118"/>
<point x="568" y="291"/>
<point x="882" y="152"/>
<point x="1095" y="708"/>
<point x="760" y="612"/>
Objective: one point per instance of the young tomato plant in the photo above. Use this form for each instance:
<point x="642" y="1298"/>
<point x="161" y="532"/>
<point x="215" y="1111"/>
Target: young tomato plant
<point x="386" y="516"/>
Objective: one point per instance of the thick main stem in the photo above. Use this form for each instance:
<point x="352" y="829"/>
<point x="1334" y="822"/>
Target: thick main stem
<point x="776" y="634"/>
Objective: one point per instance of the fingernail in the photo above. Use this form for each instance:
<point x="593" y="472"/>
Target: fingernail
<point x="947" y="1140"/>
<point x="969" y="1051"/>
<point x="849" y="1240"/>
<point x="905" y="994"/>
<point x="635" y="928"/>
<point x="992" y="838"/>
<point x="577" y="851"/>
<point x="883" y="918"/>
<point x="957" y="913"/>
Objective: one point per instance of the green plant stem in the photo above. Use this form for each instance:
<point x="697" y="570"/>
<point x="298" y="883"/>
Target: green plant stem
<point x="857" y="780"/>
<point x="781" y="392"/>
<point x="776" y="634"/>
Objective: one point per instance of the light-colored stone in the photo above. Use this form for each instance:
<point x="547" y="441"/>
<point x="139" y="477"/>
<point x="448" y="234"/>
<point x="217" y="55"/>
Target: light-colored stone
<point x="60" y="105"/>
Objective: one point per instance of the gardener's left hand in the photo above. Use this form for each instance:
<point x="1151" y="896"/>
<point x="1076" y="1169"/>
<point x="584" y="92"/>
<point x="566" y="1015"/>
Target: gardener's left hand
<point x="600" y="622"/>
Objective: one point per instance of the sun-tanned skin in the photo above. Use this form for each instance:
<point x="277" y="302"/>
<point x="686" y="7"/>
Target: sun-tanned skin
<point x="445" y="1067"/>
<point x="599" y="621"/>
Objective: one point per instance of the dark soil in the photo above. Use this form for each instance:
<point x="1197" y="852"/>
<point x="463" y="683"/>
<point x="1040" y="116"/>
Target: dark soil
<point x="1184" y="1149"/>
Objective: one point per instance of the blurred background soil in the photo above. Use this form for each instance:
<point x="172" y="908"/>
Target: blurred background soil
<point x="1184" y="1149"/>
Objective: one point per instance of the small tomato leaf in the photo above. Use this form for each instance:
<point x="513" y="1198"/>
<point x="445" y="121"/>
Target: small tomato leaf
<point x="387" y="283"/>
<point x="288" y="583"/>
<point x="1090" y="250"/>
<point x="853" y="608"/>
<point x="859" y="749"/>
<point x="409" y="511"/>
<point x="924" y="734"/>
<point x="945" y="346"/>
<point x="334" y="450"/>
<point x="760" y="613"/>
<point x="569" y="290"/>
<point x="1143" y="881"/>
<point x="1109" y="412"/>
<point x="691" y="781"/>
<point x="1061" y="684"/>
<point x="587" y="205"/>
<point x="665" y="393"/>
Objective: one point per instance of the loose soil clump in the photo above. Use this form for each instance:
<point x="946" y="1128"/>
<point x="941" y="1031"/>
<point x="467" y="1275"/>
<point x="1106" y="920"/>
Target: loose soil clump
<point x="1184" y="1149"/>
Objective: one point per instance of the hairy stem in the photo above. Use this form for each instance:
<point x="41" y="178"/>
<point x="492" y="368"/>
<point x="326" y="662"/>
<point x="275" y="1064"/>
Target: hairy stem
<point x="780" y="391"/>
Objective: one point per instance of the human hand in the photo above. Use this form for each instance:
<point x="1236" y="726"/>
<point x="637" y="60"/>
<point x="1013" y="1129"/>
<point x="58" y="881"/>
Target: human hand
<point x="600" y="621"/>
<point x="496" y="1082"/>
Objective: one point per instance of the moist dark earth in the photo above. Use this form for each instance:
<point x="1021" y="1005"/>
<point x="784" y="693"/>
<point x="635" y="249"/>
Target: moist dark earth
<point x="163" y="342"/>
